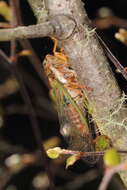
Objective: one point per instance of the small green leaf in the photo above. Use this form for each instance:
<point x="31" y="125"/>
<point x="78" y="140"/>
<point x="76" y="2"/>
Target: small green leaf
<point x="111" y="157"/>
<point x="72" y="159"/>
<point x="54" y="153"/>
<point x="102" y="143"/>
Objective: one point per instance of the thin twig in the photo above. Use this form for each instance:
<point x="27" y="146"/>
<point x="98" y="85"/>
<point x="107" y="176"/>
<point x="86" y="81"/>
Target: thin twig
<point x="34" y="59"/>
<point x="13" y="24"/>
<point x="114" y="60"/>
<point x="32" y="114"/>
<point x="20" y="109"/>
<point x="79" y="181"/>
<point x="38" y="91"/>
<point x="103" y="23"/>
<point x="109" y="172"/>
<point x="33" y="119"/>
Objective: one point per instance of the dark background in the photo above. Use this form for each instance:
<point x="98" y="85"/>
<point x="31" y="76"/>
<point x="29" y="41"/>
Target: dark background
<point x="17" y="128"/>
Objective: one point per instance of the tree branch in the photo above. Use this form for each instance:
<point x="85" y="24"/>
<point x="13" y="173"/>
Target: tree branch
<point x="23" y="32"/>
<point x="61" y="25"/>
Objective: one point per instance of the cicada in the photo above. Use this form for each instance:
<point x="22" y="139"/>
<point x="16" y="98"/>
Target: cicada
<point x="69" y="98"/>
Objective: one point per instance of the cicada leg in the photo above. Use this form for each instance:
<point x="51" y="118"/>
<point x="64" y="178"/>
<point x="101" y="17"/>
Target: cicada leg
<point x="55" y="44"/>
<point x="61" y="55"/>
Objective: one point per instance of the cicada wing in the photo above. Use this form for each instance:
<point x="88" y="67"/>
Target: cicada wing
<point x="75" y="139"/>
<point x="68" y="127"/>
<point x="63" y="119"/>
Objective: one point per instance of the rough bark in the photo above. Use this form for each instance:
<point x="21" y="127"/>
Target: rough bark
<point x="40" y="10"/>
